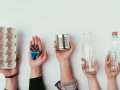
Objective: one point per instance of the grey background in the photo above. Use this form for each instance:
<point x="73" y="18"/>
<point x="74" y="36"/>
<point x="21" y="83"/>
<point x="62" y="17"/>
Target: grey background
<point x="47" y="18"/>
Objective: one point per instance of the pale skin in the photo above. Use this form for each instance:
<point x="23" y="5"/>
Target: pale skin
<point x="11" y="83"/>
<point x="111" y="76"/>
<point x="64" y="62"/>
<point x="92" y="80"/>
<point x="36" y="65"/>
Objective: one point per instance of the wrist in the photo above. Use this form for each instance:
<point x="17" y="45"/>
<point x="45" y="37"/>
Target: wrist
<point x="36" y="72"/>
<point x="11" y="83"/>
<point x="66" y="71"/>
<point x="91" y="77"/>
<point x="12" y="76"/>
<point x="11" y="79"/>
<point x="64" y="61"/>
<point x="111" y="78"/>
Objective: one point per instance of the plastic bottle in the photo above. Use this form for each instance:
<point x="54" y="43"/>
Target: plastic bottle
<point x="89" y="52"/>
<point x="115" y="51"/>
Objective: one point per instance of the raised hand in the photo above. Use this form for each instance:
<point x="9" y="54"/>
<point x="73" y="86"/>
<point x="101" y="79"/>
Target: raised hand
<point x="43" y="55"/>
<point x="64" y="54"/>
<point x="36" y="65"/>
<point x="109" y="73"/>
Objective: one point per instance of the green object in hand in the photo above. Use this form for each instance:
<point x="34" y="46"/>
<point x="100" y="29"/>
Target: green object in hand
<point x="34" y="54"/>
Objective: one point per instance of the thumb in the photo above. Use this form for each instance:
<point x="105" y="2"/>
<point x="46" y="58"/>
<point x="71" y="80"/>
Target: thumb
<point x="71" y="47"/>
<point x="45" y="55"/>
<point x="2" y="71"/>
<point x="95" y="64"/>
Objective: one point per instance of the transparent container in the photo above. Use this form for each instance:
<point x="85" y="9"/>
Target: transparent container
<point x="115" y="51"/>
<point x="88" y="51"/>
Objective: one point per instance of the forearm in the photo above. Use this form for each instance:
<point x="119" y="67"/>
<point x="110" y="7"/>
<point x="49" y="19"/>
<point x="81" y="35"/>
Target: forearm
<point x="112" y="84"/>
<point x="36" y="84"/>
<point x="35" y="72"/>
<point x="93" y="84"/>
<point x="11" y="83"/>
<point x="36" y="80"/>
<point x="66" y="71"/>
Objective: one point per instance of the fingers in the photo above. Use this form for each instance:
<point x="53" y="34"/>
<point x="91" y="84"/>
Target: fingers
<point x="37" y="41"/>
<point x="37" y="38"/>
<point x="45" y="55"/>
<point x="118" y="69"/>
<point x="83" y="59"/>
<point x="83" y="67"/>
<point x="33" y="40"/>
<point x="2" y="71"/>
<point x="107" y="57"/>
<point x="18" y="61"/>
<point x="107" y="61"/>
<point x="55" y="46"/>
<point x="30" y="44"/>
<point x="117" y="72"/>
<point x="95" y="65"/>
<point x="71" y="46"/>
<point x="40" y="44"/>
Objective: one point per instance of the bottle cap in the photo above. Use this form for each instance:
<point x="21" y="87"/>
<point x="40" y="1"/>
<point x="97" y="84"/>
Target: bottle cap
<point x="115" y="33"/>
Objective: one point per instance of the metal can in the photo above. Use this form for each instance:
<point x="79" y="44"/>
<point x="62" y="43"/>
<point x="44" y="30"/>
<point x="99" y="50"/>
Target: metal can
<point x="63" y="41"/>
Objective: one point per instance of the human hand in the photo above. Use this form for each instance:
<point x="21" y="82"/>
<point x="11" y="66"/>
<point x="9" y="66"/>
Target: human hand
<point x="42" y="57"/>
<point x="36" y="65"/>
<point x="86" y="71"/>
<point x="63" y="55"/>
<point x="109" y="73"/>
<point x="10" y="72"/>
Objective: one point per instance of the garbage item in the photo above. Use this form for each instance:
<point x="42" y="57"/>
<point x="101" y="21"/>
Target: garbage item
<point x="8" y="47"/>
<point x="63" y="41"/>
<point x="34" y="52"/>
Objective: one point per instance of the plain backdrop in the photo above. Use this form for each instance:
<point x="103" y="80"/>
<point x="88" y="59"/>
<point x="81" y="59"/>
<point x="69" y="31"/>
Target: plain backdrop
<point x="47" y="18"/>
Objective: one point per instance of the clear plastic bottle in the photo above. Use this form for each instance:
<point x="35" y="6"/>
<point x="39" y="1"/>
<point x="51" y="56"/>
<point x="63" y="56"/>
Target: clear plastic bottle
<point x="89" y="52"/>
<point x="115" y="51"/>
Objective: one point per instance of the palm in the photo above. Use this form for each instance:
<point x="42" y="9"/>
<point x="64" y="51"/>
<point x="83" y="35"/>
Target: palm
<point x="38" y="62"/>
<point x="65" y="54"/>
<point x="42" y="57"/>
<point x="108" y="66"/>
<point x="9" y="72"/>
<point x="86" y="69"/>
<point x="111" y="74"/>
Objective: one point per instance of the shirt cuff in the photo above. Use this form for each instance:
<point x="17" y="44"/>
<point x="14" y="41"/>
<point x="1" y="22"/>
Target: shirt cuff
<point x="70" y="85"/>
